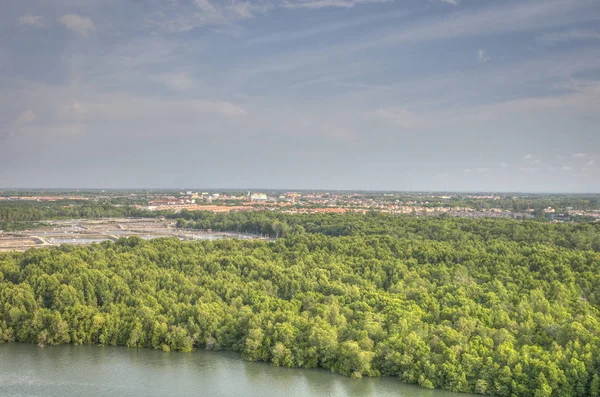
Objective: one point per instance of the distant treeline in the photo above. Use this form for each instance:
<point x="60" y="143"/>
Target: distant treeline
<point x="583" y="236"/>
<point x="21" y="214"/>
<point x="521" y="204"/>
<point x="488" y="306"/>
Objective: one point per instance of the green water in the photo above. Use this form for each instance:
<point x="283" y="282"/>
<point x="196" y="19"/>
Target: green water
<point x="29" y="370"/>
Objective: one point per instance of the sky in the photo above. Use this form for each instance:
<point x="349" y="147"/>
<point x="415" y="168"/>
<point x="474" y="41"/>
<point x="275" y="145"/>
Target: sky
<point x="428" y="95"/>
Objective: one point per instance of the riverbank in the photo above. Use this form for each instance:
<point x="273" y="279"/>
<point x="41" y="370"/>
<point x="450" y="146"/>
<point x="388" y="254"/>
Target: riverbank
<point x="102" y="371"/>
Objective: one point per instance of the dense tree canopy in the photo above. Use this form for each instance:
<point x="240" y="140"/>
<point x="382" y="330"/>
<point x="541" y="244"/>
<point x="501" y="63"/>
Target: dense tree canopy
<point x="585" y="236"/>
<point x="494" y="307"/>
<point x="15" y="215"/>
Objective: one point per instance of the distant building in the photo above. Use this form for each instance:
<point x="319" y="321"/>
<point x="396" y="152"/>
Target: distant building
<point x="561" y="217"/>
<point x="258" y="197"/>
<point x="293" y="196"/>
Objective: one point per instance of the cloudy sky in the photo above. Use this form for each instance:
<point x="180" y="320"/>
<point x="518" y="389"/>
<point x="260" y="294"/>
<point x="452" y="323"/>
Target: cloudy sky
<point x="499" y="95"/>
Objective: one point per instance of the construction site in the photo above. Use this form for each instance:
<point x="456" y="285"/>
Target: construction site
<point x="77" y="231"/>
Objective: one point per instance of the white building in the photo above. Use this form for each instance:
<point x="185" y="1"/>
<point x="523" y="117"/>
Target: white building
<point x="259" y="197"/>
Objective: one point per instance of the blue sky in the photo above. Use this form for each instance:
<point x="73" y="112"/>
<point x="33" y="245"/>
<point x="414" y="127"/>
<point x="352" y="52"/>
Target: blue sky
<point x="331" y="94"/>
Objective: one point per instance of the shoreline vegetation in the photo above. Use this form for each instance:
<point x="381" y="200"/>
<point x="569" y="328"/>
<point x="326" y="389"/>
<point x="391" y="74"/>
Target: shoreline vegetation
<point x="498" y="307"/>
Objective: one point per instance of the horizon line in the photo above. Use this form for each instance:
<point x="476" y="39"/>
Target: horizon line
<point x="405" y="191"/>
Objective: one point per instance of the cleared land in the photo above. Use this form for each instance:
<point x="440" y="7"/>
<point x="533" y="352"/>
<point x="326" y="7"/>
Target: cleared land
<point x="95" y="231"/>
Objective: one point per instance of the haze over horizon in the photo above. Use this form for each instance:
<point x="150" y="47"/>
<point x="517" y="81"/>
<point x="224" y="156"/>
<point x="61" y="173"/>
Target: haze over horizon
<point x="254" y="189"/>
<point x="436" y="95"/>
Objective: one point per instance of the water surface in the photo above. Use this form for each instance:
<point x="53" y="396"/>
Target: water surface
<point x="67" y="370"/>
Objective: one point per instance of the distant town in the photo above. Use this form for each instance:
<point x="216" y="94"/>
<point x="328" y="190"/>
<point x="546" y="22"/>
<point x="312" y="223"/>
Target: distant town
<point x="550" y="207"/>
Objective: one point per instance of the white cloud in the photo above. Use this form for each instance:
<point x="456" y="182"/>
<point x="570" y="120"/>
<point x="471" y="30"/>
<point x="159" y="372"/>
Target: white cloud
<point x="328" y="3"/>
<point x="177" y="81"/>
<point x="89" y="108"/>
<point x="35" y="21"/>
<point x="452" y="2"/>
<point x="591" y="163"/>
<point x="400" y="117"/>
<point x="24" y="120"/>
<point x="26" y="117"/>
<point x="481" y="55"/>
<point x="77" y="108"/>
<point x="579" y="155"/>
<point x="244" y="9"/>
<point x="52" y="130"/>
<point x="556" y="38"/>
<point x="205" y="5"/>
<point x="177" y="17"/>
<point x="483" y="170"/>
<point x="78" y="24"/>
<point x="566" y="168"/>
<point x="227" y="109"/>
<point x="503" y="165"/>
<point x="126" y="108"/>
<point x="322" y="29"/>
<point x="577" y="103"/>
<point x="538" y="162"/>
<point x="513" y="17"/>
<point x="74" y="110"/>
<point x="521" y="16"/>
<point x="335" y="132"/>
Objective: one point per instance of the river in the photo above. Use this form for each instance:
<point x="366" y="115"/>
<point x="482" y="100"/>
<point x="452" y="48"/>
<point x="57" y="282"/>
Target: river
<point x="67" y="370"/>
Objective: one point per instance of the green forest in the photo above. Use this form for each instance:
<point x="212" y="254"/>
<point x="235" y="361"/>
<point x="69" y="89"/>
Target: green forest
<point x="497" y="307"/>
<point x="584" y="236"/>
<point x="17" y="215"/>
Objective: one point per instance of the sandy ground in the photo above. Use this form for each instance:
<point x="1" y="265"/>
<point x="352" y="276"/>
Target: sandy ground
<point x="93" y="231"/>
